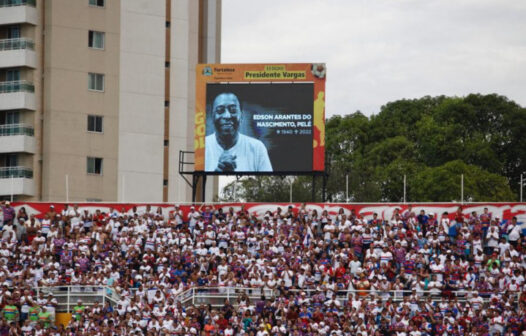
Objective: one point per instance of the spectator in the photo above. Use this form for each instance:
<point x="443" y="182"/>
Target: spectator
<point x="8" y="212"/>
<point x="303" y="264"/>
<point x="78" y="310"/>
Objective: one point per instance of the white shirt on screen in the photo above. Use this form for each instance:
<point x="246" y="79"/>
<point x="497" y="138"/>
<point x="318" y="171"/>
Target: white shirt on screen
<point x="251" y="154"/>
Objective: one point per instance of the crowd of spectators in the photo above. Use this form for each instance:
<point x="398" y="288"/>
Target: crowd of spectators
<point x="313" y="273"/>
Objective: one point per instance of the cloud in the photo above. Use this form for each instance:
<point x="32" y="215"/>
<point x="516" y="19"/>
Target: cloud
<point x="380" y="51"/>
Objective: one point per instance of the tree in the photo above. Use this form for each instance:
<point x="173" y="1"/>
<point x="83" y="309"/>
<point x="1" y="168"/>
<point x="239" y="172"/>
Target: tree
<point x="268" y="189"/>
<point x="431" y="140"/>
<point x="443" y="184"/>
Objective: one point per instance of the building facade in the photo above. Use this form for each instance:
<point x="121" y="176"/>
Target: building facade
<point x="97" y="96"/>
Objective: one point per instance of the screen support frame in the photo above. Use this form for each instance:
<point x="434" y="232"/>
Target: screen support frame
<point x="199" y="177"/>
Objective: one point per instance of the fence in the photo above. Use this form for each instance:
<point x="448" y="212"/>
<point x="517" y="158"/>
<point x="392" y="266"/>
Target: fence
<point x="16" y="129"/>
<point x="15" y="172"/>
<point x="16" y="86"/>
<point x="217" y="296"/>
<point x="12" y="3"/>
<point x="67" y="296"/>
<point x="16" y="44"/>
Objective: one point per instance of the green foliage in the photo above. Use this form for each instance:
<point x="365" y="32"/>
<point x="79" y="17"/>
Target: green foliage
<point x="269" y="189"/>
<point x="442" y="184"/>
<point x="432" y="140"/>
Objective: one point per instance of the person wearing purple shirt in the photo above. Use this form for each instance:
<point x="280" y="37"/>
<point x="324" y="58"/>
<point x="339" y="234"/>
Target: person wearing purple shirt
<point x="83" y="263"/>
<point x="9" y="212"/>
<point x="399" y="254"/>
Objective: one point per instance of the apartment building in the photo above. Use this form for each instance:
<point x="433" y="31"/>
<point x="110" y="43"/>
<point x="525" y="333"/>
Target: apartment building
<point x="97" y="96"/>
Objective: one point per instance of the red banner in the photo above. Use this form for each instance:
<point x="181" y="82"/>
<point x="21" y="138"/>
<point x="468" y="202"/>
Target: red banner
<point x="504" y="211"/>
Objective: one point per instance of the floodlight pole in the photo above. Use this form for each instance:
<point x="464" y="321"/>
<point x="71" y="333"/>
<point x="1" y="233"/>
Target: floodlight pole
<point x="462" y="189"/>
<point x="12" y="186"/>
<point x="405" y="186"/>
<point x="291" y="181"/>
<point x="123" y="188"/>
<point x="324" y="188"/>
<point x="313" y="188"/>
<point x="203" y="191"/>
<point x="522" y="184"/>
<point x="347" y="188"/>
<point x="67" y="188"/>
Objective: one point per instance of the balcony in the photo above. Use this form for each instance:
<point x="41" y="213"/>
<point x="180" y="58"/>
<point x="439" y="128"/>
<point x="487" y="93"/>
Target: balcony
<point x="17" y="95"/>
<point x="16" y="181"/>
<point x="16" y="172"/>
<point x="17" y="138"/>
<point x="16" y="86"/>
<point x="16" y="129"/>
<point x="18" y="11"/>
<point x="17" y="52"/>
<point x="13" y="3"/>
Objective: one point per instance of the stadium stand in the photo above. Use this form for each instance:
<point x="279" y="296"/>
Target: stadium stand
<point x="289" y="272"/>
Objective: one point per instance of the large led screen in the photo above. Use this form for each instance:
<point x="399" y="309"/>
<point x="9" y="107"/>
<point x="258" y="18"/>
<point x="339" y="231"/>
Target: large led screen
<point x="260" y="118"/>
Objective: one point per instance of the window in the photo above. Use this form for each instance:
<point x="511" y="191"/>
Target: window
<point x="94" y="123"/>
<point x="96" y="40"/>
<point x="94" y="165"/>
<point x="166" y="142"/>
<point x="11" y="160"/>
<point x="167" y="24"/>
<point x="96" y="82"/>
<point x="166" y="103"/>
<point x="166" y="64"/>
<point x="10" y="117"/>
<point x="165" y="183"/>
<point x="96" y="3"/>
<point x="12" y="75"/>
<point x="13" y="32"/>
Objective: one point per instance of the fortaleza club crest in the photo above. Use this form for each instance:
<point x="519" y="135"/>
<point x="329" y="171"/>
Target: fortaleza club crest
<point x="207" y="71"/>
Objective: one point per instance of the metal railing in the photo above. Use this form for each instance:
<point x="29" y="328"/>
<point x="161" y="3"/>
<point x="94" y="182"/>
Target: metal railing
<point x="68" y="296"/>
<point x="15" y="172"/>
<point x="16" y="129"/>
<point x="12" y="3"/>
<point x="216" y="296"/>
<point x="16" y="86"/>
<point x="16" y="44"/>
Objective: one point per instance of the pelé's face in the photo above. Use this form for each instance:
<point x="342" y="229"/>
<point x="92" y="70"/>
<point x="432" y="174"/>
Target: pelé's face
<point x="227" y="114"/>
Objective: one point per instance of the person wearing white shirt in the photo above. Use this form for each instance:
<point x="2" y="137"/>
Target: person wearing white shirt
<point x="514" y="232"/>
<point x="354" y="266"/>
<point x="386" y="256"/>
<point x="178" y="215"/>
<point x="222" y="268"/>
<point x="496" y="324"/>
<point x="329" y="229"/>
<point x="476" y="301"/>
<point x="193" y="217"/>
<point x="345" y="223"/>
<point x="445" y="222"/>
<point x="492" y="239"/>
<point x="503" y="246"/>
<point x="287" y="276"/>
<point x="513" y="286"/>
<point x="168" y="324"/>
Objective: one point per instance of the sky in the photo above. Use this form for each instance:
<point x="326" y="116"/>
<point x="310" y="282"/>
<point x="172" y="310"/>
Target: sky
<point x="379" y="51"/>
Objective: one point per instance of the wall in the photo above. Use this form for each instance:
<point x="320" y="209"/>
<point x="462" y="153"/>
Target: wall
<point x="505" y="211"/>
<point x="141" y="95"/>
<point x="192" y="42"/>
<point x="67" y="100"/>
